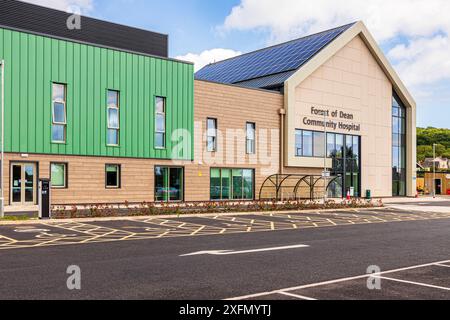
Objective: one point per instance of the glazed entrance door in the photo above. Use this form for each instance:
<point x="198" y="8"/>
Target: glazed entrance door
<point x="23" y="184"/>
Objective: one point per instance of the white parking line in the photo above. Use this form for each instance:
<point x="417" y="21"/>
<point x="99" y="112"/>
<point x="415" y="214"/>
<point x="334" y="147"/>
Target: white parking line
<point x="281" y="291"/>
<point x="296" y="296"/>
<point x="443" y="265"/>
<point x="415" y="283"/>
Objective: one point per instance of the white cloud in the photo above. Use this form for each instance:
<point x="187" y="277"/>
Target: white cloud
<point x="423" y="28"/>
<point x="423" y="61"/>
<point x="385" y="18"/>
<point x="64" y="5"/>
<point x="208" y="56"/>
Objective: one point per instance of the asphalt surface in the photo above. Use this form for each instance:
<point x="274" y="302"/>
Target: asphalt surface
<point x="156" y="269"/>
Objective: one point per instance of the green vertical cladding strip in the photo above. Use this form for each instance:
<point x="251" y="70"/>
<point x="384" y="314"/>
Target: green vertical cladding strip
<point x="33" y="63"/>
<point x="15" y="94"/>
<point x="39" y="95"/>
<point x="140" y="110"/>
<point x="31" y="96"/>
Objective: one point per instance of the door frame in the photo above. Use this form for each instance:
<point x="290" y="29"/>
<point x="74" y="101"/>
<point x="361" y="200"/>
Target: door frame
<point x="435" y="186"/>
<point x="36" y="178"/>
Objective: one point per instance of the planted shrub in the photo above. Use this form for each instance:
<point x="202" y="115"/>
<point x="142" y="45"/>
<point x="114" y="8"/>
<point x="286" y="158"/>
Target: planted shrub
<point x="151" y="209"/>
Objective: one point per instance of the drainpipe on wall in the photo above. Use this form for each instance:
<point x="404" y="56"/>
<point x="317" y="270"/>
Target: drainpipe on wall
<point x="2" y="144"/>
<point x="282" y="117"/>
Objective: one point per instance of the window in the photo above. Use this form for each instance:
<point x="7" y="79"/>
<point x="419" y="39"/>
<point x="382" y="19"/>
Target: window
<point x="344" y="150"/>
<point x="319" y="144"/>
<point x="113" y="118"/>
<point x="331" y="145"/>
<point x="160" y="122"/>
<point x="211" y="135"/>
<point x="232" y="184"/>
<point x="251" y="133"/>
<point x="112" y="176"/>
<point x="307" y="144"/>
<point x="169" y="184"/>
<point x="58" y="175"/>
<point x="398" y="148"/>
<point x="349" y="147"/>
<point x="59" y="120"/>
<point x="303" y="143"/>
<point x="339" y="146"/>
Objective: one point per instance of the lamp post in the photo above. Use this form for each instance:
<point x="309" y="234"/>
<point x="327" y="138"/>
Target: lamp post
<point x="434" y="170"/>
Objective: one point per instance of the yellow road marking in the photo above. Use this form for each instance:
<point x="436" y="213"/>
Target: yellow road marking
<point x="9" y="239"/>
<point x="184" y="229"/>
<point x="198" y="230"/>
<point x="332" y="222"/>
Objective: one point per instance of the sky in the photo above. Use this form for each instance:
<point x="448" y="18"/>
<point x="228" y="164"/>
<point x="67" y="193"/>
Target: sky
<point x="413" y="34"/>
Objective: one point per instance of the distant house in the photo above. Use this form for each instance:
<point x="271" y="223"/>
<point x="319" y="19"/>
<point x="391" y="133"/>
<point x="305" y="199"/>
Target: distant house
<point x="439" y="163"/>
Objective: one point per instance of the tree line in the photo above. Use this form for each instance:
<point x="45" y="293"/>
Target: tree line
<point x="425" y="139"/>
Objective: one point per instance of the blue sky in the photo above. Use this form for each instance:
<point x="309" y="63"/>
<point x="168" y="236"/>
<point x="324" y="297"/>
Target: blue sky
<point x="414" y="34"/>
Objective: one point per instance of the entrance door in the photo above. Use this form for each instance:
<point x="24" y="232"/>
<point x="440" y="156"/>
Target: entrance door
<point x="23" y="184"/>
<point x="438" y="186"/>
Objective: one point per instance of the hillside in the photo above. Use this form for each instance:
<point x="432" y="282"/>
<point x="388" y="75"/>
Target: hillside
<point x="425" y="139"/>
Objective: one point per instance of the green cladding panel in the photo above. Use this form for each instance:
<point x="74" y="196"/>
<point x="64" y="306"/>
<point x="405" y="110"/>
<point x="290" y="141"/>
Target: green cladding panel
<point x="33" y="63"/>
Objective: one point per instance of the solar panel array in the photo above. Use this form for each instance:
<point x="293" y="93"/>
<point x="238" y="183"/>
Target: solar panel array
<point x="269" y="81"/>
<point x="280" y="58"/>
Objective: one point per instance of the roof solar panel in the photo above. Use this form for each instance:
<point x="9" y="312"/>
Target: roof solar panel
<point x="277" y="59"/>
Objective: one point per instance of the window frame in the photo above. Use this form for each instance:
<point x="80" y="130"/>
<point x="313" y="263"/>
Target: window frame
<point x="183" y="189"/>
<point x="313" y="132"/>
<point x="214" y="137"/>
<point x="164" y="114"/>
<point x="63" y="102"/>
<point x="66" y="175"/>
<point x="116" y="107"/>
<point x="231" y="191"/>
<point x="119" y="176"/>
<point x="247" y="139"/>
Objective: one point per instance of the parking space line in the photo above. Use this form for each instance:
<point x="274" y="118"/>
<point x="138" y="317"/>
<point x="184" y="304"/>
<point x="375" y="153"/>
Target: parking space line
<point x="414" y="283"/>
<point x="7" y="238"/>
<point x="229" y="224"/>
<point x="296" y="296"/>
<point x="319" y="284"/>
<point x="198" y="230"/>
<point x="442" y="265"/>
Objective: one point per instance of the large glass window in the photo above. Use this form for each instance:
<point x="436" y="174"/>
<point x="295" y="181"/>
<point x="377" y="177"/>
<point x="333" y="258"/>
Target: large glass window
<point x="398" y="148"/>
<point x="169" y="184"/>
<point x="307" y="143"/>
<point x="112" y="178"/>
<point x="345" y="150"/>
<point x="250" y="139"/>
<point x="319" y="144"/>
<point x="304" y="143"/>
<point x="236" y="184"/>
<point x="59" y="119"/>
<point x="58" y="175"/>
<point x="113" y="118"/>
<point x="298" y="143"/>
<point x="331" y="145"/>
<point x="160" y="122"/>
<point x="339" y="146"/>
<point x="211" y="134"/>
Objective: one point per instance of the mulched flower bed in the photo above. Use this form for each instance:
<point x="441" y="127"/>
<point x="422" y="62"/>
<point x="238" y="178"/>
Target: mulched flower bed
<point x="151" y="209"/>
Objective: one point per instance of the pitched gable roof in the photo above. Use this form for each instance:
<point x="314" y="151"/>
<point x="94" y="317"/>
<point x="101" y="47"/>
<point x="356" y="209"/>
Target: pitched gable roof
<point x="270" y="66"/>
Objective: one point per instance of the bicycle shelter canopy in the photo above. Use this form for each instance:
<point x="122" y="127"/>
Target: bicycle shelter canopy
<point x="281" y="187"/>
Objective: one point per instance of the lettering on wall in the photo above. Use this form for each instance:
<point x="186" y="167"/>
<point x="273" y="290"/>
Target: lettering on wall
<point x="333" y="119"/>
